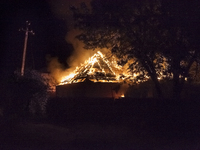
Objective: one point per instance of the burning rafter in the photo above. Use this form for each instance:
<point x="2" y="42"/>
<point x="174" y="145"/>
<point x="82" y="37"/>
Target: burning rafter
<point x="97" y="69"/>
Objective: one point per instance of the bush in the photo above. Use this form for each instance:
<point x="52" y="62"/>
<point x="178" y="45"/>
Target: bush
<point x="29" y="94"/>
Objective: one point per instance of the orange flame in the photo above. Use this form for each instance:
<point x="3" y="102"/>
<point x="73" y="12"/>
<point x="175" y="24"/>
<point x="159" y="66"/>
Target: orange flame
<point x="122" y="95"/>
<point x="97" y="64"/>
<point x="98" y="69"/>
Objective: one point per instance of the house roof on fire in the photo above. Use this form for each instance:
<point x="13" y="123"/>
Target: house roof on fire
<point x="96" y="69"/>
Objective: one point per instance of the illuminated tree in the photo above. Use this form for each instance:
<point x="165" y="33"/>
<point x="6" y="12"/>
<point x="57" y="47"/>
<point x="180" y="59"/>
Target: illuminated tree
<point x="141" y="32"/>
<point x="194" y="73"/>
<point x="129" y="29"/>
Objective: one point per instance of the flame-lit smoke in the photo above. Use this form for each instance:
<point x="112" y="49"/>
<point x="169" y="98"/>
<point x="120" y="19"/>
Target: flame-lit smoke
<point x="79" y="54"/>
<point x="55" y="68"/>
<point x="61" y="10"/>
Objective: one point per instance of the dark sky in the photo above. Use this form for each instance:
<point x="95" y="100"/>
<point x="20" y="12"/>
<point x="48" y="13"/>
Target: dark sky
<point x="50" y="20"/>
<point x="50" y="31"/>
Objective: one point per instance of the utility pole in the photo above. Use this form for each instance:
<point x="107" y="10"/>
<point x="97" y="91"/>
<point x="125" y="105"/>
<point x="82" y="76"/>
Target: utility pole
<point x="27" y="31"/>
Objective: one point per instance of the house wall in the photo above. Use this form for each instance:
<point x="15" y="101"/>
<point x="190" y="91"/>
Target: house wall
<point x="88" y="89"/>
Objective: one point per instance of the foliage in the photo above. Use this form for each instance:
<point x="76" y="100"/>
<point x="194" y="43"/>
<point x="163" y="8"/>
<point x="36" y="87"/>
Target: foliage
<point x="129" y="29"/>
<point x="194" y="73"/>
<point x="30" y="93"/>
<point x="146" y="33"/>
<point x="179" y="42"/>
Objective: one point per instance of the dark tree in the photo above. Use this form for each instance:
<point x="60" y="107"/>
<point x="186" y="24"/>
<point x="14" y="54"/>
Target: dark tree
<point x="128" y="28"/>
<point x="29" y="94"/>
<point x="141" y="31"/>
<point x="180" y="39"/>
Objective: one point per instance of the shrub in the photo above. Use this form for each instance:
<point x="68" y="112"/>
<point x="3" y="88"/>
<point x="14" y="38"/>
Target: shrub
<point x="29" y="93"/>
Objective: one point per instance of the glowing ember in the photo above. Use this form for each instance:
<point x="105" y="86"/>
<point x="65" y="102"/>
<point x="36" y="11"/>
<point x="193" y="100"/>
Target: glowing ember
<point x="97" y="69"/>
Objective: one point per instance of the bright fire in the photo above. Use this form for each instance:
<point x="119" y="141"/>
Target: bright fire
<point x="97" y="69"/>
<point x="122" y="95"/>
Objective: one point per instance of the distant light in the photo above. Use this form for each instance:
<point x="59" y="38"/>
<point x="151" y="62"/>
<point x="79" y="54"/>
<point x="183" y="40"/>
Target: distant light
<point x="122" y="95"/>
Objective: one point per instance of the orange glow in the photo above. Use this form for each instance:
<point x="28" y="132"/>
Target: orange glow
<point x="97" y="69"/>
<point x="122" y="95"/>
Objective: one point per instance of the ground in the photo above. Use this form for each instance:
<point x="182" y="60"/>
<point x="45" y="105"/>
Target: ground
<point x="170" y="129"/>
<point x="89" y="136"/>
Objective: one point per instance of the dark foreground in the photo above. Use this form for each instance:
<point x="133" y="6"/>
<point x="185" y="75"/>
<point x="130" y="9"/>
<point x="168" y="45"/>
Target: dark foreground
<point x="106" y="124"/>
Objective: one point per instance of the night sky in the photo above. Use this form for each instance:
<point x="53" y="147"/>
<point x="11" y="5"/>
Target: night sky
<point x="50" y="21"/>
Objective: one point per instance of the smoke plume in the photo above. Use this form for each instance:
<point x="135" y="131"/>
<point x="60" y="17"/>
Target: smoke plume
<point x="61" y="10"/>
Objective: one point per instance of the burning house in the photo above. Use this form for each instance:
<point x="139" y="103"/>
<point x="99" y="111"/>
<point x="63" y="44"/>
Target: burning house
<point x="96" y="78"/>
